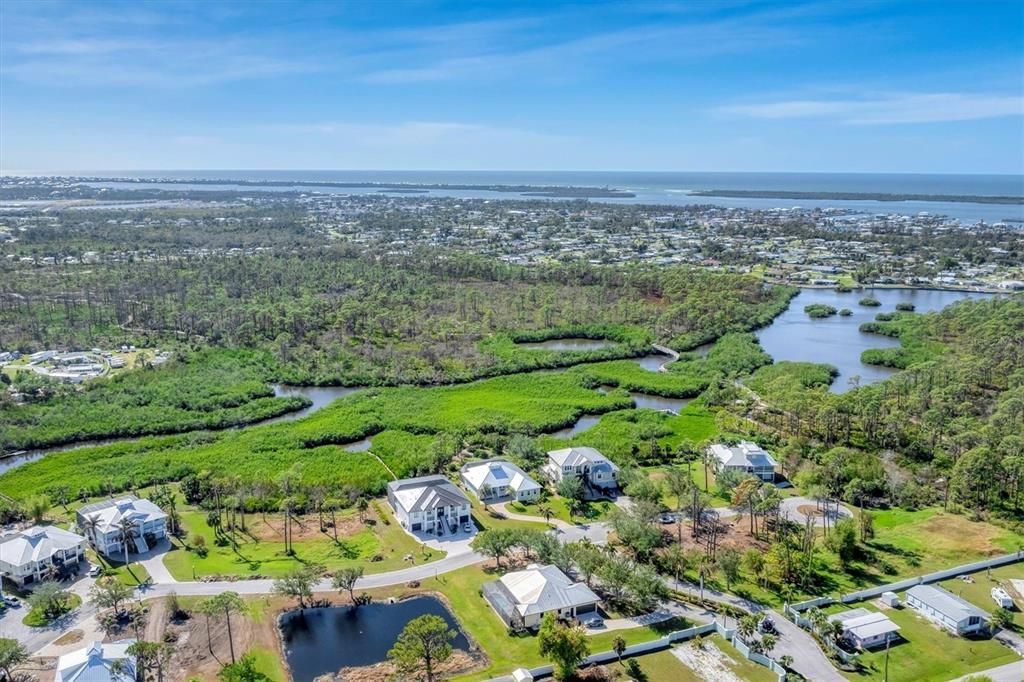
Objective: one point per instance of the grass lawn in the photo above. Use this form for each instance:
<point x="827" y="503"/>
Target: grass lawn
<point x="979" y="591"/>
<point x="665" y="667"/>
<point x="488" y="518"/>
<point x="592" y="511"/>
<point x="462" y="591"/>
<point x="657" y="474"/>
<point x="927" y="653"/>
<point x="269" y="663"/>
<point x="131" y="575"/>
<point x="35" y="618"/>
<point x="249" y="555"/>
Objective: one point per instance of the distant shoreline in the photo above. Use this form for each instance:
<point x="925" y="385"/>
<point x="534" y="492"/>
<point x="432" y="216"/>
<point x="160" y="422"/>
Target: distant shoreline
<point x="855" y="196"/>
<point x="553" y="191"/>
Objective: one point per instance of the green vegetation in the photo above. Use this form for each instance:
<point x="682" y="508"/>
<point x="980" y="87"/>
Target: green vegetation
<point x="211" y="389"/>
<point x="48" y="602"/>
<point x="259" y="551"/>
<point x="870" y="301"/>
<point x="929" y="653"/>
<point x="819" y="310"/>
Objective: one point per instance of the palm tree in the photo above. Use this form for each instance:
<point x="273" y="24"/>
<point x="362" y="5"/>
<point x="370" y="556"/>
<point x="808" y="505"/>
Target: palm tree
<point x="546" y="512"/>
<point x="127" y="530"/>
<point x="90" y="524"/>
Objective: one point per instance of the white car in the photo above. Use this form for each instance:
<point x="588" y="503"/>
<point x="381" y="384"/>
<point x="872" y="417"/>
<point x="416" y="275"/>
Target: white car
<point x="13" y="602"/>
<point x="95" y="571"/>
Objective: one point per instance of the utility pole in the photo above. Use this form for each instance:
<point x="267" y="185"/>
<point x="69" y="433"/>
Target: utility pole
<point x="887" y="640"/>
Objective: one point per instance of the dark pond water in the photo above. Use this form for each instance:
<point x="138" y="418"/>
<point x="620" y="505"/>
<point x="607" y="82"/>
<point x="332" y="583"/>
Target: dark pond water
<point x="320" y="641"/>
<point x="837" y="340"/>
<point x="567" y="344"/>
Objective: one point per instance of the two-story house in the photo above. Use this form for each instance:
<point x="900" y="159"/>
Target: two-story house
<point x="101" y="522"/>
<point x="429" y="504"/>
<point x="36" y="553"/>
<point x="746" y="457"/>
<point x="585" y="463"/>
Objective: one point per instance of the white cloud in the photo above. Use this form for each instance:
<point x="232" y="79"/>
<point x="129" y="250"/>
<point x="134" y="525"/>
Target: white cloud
<point x="888" y="109"/>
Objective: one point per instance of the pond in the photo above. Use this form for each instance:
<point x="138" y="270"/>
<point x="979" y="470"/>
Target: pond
<point x="837" y="340"/>
<point x="324" y="640"/>
<point x="654" y="361"/>
<point x="567" y="344"/>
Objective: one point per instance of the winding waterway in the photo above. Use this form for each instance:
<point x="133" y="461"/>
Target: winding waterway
<point x="319" y="397"/>
<point x="794" y="336"/>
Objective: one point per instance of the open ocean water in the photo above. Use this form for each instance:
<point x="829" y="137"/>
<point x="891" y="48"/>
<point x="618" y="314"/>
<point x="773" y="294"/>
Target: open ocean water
<point x="668" y="188"/>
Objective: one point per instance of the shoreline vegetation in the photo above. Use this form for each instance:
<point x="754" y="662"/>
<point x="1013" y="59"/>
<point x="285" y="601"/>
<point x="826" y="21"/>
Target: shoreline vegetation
<point x="553" y="191"/>
<point x="855" y="196"/>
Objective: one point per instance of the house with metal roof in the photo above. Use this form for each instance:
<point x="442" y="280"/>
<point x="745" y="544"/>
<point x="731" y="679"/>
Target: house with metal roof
<point x="98" y="662"/>
<point x="522" y="598"/>
<point x="746" y="457"/>
<point x="34" y="554"/>
<point x="101" y="523"/>
<point x="495" y="479"/>
<point x="584" y="462"/>
<point x="865" y="629"/>
<point x="947" y="610"/>
<point x="429" y="504"/>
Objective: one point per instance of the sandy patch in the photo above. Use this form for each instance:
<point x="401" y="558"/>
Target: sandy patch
<point x="709" y="663"/>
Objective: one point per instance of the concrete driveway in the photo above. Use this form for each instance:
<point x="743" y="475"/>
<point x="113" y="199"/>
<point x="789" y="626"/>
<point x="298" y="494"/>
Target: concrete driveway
<point x="790" y="509"/>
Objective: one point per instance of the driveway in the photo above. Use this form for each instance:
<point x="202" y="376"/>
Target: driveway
<point x="153" y="560"/>
<point x="808" y="659"/>
<point x="790" y="509"/>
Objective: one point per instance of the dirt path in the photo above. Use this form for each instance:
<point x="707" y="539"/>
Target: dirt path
<point x="709" y="663"/>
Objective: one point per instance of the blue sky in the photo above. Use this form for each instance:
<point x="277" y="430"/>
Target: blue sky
<point x="924" y="86"/>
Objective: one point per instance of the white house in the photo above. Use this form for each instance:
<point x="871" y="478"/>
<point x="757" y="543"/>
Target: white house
<point x="98" y="662"/>
<point x="523" y="597"/>
<point x="747" y="457"/>
<point x="429" y="504"/>
<point x="865" y="629"/>
<point x="30" y="556"/>
<point x="107" y="537"/>
<point x="584" y="462"/>
<point x="1002" y="598"/>
<point x="947" y="609"/>
<point x="499" y="478"/>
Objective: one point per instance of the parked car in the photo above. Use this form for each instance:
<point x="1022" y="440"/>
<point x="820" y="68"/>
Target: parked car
<point x="12" y="601"/>
<point x="95" y="571"/>
<point x="594" y="622"/>
<point x="667" y="518"/>
<point x="467" y="528"/>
